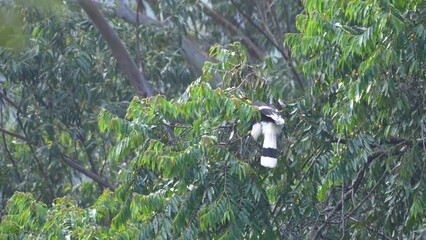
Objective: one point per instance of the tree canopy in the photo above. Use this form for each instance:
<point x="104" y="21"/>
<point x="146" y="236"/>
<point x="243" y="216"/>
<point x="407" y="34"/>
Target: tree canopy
<point x="88" y="151"/>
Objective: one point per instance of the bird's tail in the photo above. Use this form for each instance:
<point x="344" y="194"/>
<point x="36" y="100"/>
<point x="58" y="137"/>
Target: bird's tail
<point x="269" y="150"/>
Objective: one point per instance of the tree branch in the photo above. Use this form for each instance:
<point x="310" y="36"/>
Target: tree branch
<point x="279" y="31"/>
<point x="8" y="100"/>
<point x="125" y="13"/>
<point x="351" y="190"/>
<point x="6" y="148"/>
<point x="195" y="57"/>
<point x="72" y="163"/>
<point x="368" y="195"/>
<point x="357" y="182"/>
<point x="230" y="26"/>
<point x="37" y="160"/>
<point x="138" y="42"/>
<point x="192" y="53"/>
<point x="23" y="138"/>
<point x="125" y="62"/>
<point x="69" y="162"/>
<point x="272" y="40"/>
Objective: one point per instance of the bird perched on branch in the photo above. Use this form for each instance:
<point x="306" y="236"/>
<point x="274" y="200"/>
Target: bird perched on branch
<point x="270" y="126"/>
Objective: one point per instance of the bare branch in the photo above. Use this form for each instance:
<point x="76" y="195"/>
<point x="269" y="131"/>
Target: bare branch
<point x="37" y="160"/>
<point x="193" y="54"/>
<point x="9" y="154"/>
<point x="272" y="40"/>
<point x="275" y="21"/>
<point x="352" y="189"/>
<point x="125" y="13"/>
<point x="125" y="62"/>
<point x="69" y="162"/>
<point x="72" y="163"/>
<point x="138" y="47"/>
<point x="8" y="100"/>
<point x="23" y="138"/>
<point x="222" y="20"/>
<point x="195" y="57"/>
<point x="371" y="191"/>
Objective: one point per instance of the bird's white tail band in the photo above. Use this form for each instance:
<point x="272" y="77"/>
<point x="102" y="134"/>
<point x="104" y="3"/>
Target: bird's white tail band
<point x="268" y="162"/>
<point x="269" y="149"/>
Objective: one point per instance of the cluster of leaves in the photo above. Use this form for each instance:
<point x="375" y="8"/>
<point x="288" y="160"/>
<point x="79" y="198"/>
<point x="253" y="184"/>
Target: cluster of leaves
<point x="200" y="180"/>
<point x="368" y="59"/>
<point x="30" y="219"/>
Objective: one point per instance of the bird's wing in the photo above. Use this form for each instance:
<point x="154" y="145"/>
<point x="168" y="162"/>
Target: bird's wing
<point x="270" y="111"/>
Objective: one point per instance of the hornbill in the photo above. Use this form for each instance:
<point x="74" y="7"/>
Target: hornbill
<point x="270" y="126"/>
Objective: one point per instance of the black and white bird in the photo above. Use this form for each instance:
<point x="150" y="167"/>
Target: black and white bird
<point x="270" y="126"/>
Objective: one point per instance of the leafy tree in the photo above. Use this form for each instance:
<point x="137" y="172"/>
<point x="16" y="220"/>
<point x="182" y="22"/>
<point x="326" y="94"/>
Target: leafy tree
<point x="62" y="72"/>
<point x="50" y="99"/>
<point x="352" y="153"/>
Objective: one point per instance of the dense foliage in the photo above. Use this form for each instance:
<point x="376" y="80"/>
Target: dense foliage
<point x="53" y="91"/>
<point x="351" y="155"/>
<point x="368" y="59"/>
<point x="57" y="72"/>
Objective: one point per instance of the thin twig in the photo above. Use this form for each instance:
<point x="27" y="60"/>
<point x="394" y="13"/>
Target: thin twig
<point x="30" y="146"/>
<point x="271" y="39"/>
<point x="221" y="19"/>
<point x="8" y="100"/>
<point x="305" y="174"/>
<point x="9" y="154"/>
<point x="368" y="195"/>
<point x="352" y="189"/>
<point x="371" y="230"/>
<point x="277" y="208"/>
<point x="138" y="47"/>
